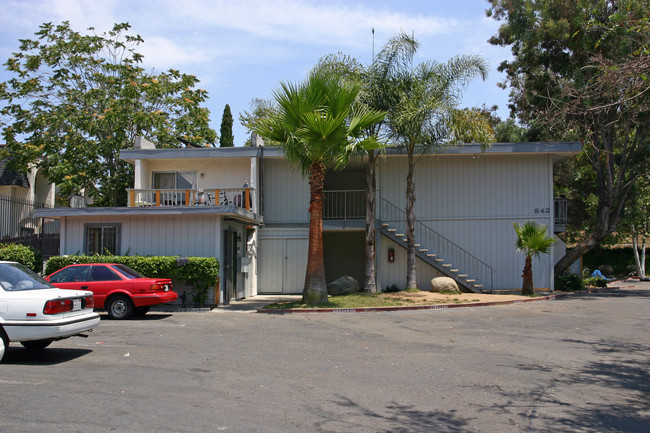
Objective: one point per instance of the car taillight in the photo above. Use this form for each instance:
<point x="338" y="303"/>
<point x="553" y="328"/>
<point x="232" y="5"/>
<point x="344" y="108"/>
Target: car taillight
<point x="90" y="301"/>
<point x="57" y="306"/>
<point x="160" y="287"/>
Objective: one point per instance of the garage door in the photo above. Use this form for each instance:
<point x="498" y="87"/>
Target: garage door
<point x="282" y="264"/>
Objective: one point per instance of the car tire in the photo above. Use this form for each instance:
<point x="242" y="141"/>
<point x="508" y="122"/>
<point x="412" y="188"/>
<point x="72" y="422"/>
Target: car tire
<point x="119" y="307"/>
<point x="140" y="311"/>
<point x="36" y="344"/>
<point x="4" y="343"/>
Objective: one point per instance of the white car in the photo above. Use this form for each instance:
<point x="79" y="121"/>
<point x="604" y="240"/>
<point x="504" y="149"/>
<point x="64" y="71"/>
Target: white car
<point x="35" y="313"/>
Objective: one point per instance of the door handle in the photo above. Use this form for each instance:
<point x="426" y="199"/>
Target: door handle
<point x="84" y="287"/>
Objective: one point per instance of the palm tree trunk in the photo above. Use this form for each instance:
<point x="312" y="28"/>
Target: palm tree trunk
<point x="528" y="288"/>
<point x="315" y="289"/>
<point x="411" y="277"/>
<point x="370" y="285"/>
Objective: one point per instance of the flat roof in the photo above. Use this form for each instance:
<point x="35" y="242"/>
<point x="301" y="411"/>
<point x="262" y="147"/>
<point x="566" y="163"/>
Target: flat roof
<point x="561" y="149"/>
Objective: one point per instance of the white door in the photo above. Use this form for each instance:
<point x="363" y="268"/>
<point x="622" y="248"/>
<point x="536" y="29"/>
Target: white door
<point x="281" y="266"/>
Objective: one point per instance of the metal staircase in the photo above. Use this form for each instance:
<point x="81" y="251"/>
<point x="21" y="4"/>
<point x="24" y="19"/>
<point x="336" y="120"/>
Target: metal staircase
<point x="442" y="254"/>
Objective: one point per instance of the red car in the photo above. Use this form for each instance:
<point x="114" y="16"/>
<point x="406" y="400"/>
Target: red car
<point x="117" y="288"/>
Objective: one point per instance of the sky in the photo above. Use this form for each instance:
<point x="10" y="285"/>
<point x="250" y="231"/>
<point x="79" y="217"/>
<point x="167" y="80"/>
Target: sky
<point x="243" y="49"/>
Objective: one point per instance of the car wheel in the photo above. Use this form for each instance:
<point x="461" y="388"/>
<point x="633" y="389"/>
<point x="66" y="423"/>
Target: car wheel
<point x="4" y="343"/>
<point x="36" y="344"/>
<point x="120" y="307"/>
<point x="140" y="311"/>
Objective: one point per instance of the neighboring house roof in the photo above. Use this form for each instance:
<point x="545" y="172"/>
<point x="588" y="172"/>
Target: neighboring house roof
<point x="10" y="177"/>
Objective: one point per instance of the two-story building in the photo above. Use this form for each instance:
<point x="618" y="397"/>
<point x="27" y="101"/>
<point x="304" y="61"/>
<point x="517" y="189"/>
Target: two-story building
<point x="248" y="207"/>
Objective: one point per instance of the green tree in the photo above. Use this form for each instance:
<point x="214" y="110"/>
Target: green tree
<point x="373" y="87"/>
<point x="319" y="126"/>
<point x="532" y="241"/>
<point x="580" y="69"/>
<point x="261" y="109"/>
<point x="226" y="138"/>
<point x="424" y="117"/>
<point x="76" y="100"/>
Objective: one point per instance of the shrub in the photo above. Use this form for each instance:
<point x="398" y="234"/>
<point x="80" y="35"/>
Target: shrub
<point x="392" y="289"/>
<point x="569" y="282"/>
<point x="197" y="269"/>
<point x="28" y="256"/>
<point x="595" y="282"/>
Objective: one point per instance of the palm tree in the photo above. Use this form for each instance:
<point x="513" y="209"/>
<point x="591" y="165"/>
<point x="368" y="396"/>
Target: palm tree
<point x="533" y="241"/>
<point x="423" y="117"/>
<point x="319" y="127"/>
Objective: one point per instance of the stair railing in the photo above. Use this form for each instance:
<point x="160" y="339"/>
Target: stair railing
<point x="451" y="253"/>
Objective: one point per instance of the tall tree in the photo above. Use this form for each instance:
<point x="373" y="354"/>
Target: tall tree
<point x="424" y="117"/>
<point x="76" y="100"/>
<point x="372" y="81"/>
<point x="532" y="241"/>
<point x="580" y="68"/>
<point x="226" y="138"/>
<point x="319" y="126"/>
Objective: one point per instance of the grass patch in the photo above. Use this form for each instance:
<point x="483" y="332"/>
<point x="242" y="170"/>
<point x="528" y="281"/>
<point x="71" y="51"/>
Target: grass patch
<point x="357" y="300"/>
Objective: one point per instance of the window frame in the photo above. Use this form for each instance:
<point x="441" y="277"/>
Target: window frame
<point x="118" y="236"/>
<point x="176" y="174"/>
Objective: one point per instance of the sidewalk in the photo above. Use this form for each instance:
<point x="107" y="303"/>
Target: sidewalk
<point x="251" y="305"/>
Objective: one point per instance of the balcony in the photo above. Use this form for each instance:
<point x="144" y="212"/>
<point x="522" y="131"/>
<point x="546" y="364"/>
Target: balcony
<point x="238" y="197"/>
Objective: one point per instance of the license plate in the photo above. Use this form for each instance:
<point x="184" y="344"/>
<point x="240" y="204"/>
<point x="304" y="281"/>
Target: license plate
<point x="166" y="288"/>
<point x="76" y="304"/>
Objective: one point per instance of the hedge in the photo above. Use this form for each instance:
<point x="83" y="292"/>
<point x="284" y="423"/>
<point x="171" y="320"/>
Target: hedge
<point x="28" y="256"/>
<point x="200" y="269"/>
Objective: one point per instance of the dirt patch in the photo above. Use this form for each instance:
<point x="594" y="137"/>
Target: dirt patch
<point x="435" y="298"/>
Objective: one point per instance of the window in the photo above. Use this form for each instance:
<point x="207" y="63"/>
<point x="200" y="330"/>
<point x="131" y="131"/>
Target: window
<point x="175" y="180"/>
<point x="103" y="238"/>
<point x="71" y="274"/>
<point x="103" y="273"/>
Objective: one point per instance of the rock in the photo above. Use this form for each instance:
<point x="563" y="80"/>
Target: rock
<point x="606" y="269"/>
<point x="444" y="284"/>
<point x="344" y="285"/>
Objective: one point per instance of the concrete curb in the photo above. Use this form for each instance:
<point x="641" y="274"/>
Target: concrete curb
<point x="433" y="307"/>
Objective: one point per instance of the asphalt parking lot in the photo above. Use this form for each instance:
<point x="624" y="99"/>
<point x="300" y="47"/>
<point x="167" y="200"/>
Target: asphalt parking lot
<point x="578" y="364"/>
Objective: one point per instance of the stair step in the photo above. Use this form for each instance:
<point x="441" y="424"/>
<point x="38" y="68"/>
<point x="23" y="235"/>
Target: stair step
<point x="470" y="281"/>
<point x="392" y="230"/>
<point x="417" y="246"/>
<point x="404" y="240"/>
<point x="478" y="286"/>
<point x="453" y="270"/>
<point x="399" y="235"/>
<point x="431" y="255"/>
<point x="384" y="225"/>
<point x="439" y="260"/>
<point x="446" y="265"/>
<point x="423" y="250"/>
<point x="462" y="275"/>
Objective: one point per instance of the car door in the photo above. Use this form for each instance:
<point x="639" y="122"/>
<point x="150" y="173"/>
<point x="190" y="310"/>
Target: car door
<point x="72" y="277"/>
<point x="103" y="280"/>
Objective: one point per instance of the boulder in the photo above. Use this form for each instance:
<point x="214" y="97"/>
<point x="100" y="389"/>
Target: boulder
<point x="606" y="269"/>
<point x="344" y="285"/>
<point x="444" y="284"/>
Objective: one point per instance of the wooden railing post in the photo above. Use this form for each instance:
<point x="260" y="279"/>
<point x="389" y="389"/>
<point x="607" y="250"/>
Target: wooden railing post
<point x="157" y="197"/>
<point x="131" y="198"/>
<point x="216" y="197"/>
<point x="247" y="196"/>
<point x="187" y="198"/>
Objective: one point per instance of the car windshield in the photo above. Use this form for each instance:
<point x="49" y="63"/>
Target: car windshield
<point x="128" y="272"/>
<point x="14" y="277"/>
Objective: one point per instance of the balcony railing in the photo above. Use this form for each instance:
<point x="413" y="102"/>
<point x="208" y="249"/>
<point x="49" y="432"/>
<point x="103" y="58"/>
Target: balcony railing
<point x="344" y="204"/>
<point x="239" y="197"/>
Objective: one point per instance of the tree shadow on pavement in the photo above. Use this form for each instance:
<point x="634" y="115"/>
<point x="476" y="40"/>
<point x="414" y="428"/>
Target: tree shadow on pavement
<point x="396" y="418"/>
<point x="614" y="391"/>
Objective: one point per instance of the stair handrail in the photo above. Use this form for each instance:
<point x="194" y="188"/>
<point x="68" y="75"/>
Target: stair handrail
<point x="462" y="259"/>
